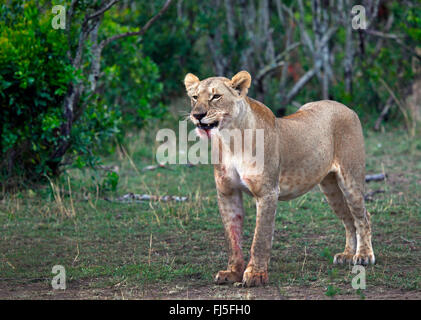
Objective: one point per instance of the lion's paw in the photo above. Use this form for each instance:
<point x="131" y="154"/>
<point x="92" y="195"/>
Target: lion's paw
<point x="364" y="259"/>
<point x="341" y="258"/>
<point x="254" y="279"/>
<point x="227" y="276"/>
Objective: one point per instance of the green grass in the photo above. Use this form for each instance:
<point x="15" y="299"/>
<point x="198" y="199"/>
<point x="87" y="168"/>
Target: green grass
<point x="164" y="249"/>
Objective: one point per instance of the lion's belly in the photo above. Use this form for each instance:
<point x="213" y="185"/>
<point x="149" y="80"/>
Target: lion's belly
<point x="287" y="192"/>
<point x="296" y="181"/>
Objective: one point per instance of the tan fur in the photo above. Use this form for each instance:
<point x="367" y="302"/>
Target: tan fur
<point x="322" y="143"/>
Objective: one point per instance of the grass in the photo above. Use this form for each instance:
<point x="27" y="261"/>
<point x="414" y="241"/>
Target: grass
<point x="112" y="249"/>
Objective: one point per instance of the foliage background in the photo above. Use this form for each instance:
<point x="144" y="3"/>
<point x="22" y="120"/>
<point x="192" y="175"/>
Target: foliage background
<point x="139" y="77"/>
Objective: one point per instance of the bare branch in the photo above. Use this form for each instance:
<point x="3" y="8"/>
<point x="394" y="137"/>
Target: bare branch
<point x="287" y="50"/>
<point x="266" y="31"/>
<point x="279" y="11"/>
<point x="102" y="10"/>
<point x="349" y="50"/>
<point x="309" y="74"/>
<point x="141" y="31"/>
<point x="230" y="17"/>
<point x="220" y="64"/>
<point x="387" y="28"/>
<point x="374" y="11"/>
<point x="395" y="37"/>
<point x="328" y="35"/>
<point x="303" y="80"/>
<point x="306" y="38"/>
<point x="275" y="64"/>
<point x="268" y="69"/>
<point x="383" y="114"/>
<point x="410" y="125"/>
<point x="383" y="35"/>
<point x="284" y="73"/>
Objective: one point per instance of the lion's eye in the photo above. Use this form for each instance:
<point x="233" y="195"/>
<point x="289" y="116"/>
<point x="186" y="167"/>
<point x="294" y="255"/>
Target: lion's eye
<point x="216" y="97"/>
<point x="195" y="97"/>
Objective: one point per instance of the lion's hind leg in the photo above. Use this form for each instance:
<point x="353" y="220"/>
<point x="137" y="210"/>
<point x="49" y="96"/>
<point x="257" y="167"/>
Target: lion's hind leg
<point x="352" y="189"/>
<point x="337" y="202"/>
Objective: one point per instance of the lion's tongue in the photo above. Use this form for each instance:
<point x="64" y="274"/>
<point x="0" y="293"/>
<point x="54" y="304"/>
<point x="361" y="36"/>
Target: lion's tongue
<point x="208" y="132"/>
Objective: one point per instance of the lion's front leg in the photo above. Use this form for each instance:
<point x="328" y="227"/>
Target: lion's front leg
<point x="232" y="213"/>
<point x="256" y="273"/>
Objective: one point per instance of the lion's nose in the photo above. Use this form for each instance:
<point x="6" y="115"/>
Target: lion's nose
<point x="199" y="116"/>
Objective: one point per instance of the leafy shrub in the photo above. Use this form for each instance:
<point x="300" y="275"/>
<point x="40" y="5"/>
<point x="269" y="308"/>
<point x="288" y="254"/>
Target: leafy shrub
<point x="132" y="87"/>
<point x="35" y="77"/>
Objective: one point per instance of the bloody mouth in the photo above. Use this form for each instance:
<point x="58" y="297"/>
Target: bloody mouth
<point x="207" y="127"/>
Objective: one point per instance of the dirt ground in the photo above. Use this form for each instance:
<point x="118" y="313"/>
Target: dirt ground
<point x="82" y="290"/>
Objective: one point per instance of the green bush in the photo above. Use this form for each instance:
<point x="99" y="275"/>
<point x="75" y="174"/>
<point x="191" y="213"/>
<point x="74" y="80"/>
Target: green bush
<point x="35" y="76"/>
<point x="132" y="87"/>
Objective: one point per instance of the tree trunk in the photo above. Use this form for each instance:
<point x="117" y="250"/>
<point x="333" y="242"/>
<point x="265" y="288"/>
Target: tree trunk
<point x="72" y="109"/>
<point x="349" y="51"/>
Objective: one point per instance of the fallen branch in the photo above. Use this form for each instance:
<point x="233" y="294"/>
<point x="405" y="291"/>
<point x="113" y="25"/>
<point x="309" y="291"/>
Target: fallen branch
<point x="407" y="240"/>
<point x="163" y="166"/>
<point x="153" y="167"/>
<point x="369" y="196"/>
<point x="375" y="177"/>
<point x="132" y="197"/>
<point x="115" y="169"/>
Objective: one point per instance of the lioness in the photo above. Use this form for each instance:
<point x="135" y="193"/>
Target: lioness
<point x="322" y="143"/>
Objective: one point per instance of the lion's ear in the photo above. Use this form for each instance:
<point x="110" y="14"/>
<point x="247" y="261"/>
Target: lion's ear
<point x="190" y="80"/>
<point x="241" y="82"/>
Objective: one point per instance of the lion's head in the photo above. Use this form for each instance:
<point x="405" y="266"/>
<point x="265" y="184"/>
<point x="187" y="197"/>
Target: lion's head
<point x="216" y="101"/>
